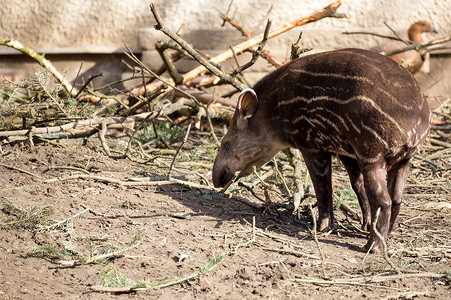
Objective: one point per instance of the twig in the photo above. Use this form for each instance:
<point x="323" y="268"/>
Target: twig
<point x="20" y="170"/>
<point x="292" y="252"/>
<point x="276" y="167"/>
<point x="57" y="103"/>
<point x="90" y="78"/>
<point x="372" y="33"/>
<point x="266" y="54"/>
<point x="296" y="51"/>
<point x="210" y="124"/>
<point x="172" y="70"/>
<point x="157" y="135"/>
<point x="396" y="34"/>
<point x="242" y="184"/>
<point x="418" y="46"/>
<point x="76" y="77"/>
<point x="137" y="129"/>
<point x="253" y="228"/>
<point x="177" y="152"/>
<point x="67" y="168"/>
<point x="366" y="255"/>
<point x="140" y="63"/>
<point x="102" y="133"/>
<point x="347" y="210"/>
<point x="155" y="95"/>
<point x="315" y="237"/>
<point x="96" y="258"/>
<point x="382" y="239"/>
<point x="299" y="194"/>
<point x="256" y="53"/>
<point x="160" y="26"/>
<point x="204" y="97"/>
<point x="167" y="182"/>
<point x="374" y="279"/>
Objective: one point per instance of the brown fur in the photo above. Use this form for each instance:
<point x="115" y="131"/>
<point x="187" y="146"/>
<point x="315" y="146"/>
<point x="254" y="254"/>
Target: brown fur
<point x="358" y="104"/>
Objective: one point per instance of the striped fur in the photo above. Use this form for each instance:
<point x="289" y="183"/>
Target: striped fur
<point x="360" y="105"/>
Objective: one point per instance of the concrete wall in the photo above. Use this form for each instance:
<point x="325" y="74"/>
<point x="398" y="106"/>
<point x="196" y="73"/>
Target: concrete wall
<point x="74" y="30"/>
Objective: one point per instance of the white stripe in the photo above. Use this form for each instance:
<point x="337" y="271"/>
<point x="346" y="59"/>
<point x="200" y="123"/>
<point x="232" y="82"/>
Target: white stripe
<point x="339" y="101"/>
<point x="357" y="78"/>
<point x="378" y="137"/>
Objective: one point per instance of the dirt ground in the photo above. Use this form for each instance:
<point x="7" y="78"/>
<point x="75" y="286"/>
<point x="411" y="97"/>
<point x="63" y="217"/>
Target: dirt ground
<point x="186" y="227"/>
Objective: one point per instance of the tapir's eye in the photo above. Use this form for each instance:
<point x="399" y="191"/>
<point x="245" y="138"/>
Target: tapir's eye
<point x="226" y="146"/>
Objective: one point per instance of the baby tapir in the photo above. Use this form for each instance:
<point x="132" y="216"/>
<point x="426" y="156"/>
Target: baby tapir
<point x="359" y="105"/>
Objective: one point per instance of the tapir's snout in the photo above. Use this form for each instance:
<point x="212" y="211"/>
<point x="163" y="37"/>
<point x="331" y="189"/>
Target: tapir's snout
<point x="222" y="178"/>
<point x="221" y="174"/>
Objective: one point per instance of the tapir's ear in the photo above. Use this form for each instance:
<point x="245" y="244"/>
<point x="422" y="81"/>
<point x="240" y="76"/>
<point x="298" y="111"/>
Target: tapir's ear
<point x="247" y="103"/>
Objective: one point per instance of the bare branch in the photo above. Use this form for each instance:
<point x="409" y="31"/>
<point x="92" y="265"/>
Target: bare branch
<point x="160" y="26"/>
<point x="329" y="11"/>
<point x="73" y="125"/>
<point x="42" y="61"/>
<point x="420" y="46"/>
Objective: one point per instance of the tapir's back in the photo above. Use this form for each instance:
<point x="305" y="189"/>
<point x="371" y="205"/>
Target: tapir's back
<point x="349" y="101"/>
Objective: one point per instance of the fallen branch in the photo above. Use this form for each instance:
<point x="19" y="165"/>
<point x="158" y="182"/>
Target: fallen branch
<point x="42" y="61"/>
<point x="73" y="125"/>
<point x="20" y="170"/>
<point x="373" y="279"/>
<point x="439" y="143"/>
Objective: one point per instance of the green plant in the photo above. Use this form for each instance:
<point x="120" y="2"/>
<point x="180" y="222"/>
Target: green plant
<point x="31" y="218"/>
<point x="49" y="252"/>
<point x="404" y="264"/>
<point x="113" y="278"/>
<point x="346" y="196"/>
<point x="165" y="129"/>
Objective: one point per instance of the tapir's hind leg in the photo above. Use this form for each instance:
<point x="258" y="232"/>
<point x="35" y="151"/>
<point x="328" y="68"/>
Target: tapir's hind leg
<point x="356" y="178"/>
<point x="319" y="166"/>
<point x="396" y="179"/>
<point x="375" y="181"/>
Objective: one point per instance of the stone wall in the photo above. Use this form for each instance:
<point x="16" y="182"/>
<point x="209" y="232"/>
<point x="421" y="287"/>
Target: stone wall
<point x="71" y="31"/>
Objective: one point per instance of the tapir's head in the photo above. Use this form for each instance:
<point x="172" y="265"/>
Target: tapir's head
<point x="251" y="140"/>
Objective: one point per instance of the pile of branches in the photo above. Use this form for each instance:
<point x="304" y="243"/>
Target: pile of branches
<point x="63" y="111"/>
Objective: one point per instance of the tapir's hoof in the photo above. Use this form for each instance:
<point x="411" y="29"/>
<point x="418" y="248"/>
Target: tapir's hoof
<point x="391" y="234"/>
<point x="324" y="224"/>
<point x="366" y="227"/>
<point x="377" y="248"/>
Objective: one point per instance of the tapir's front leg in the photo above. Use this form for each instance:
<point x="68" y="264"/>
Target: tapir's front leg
<point x="319" y="166"/>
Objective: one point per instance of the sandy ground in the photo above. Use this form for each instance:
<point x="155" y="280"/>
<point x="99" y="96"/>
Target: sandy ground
<point x="186" y="227"/>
